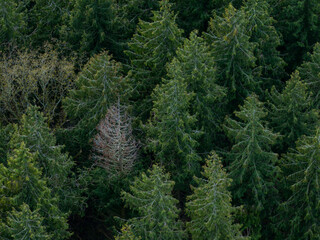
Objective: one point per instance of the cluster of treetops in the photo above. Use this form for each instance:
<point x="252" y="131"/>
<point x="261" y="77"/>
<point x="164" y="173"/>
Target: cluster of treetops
<point x="159" y="120"/>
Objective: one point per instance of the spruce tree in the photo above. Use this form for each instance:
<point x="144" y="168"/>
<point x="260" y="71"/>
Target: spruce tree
<point x="290" y="112"/>
<point x="26" y="224"/>
<point x="300" y="213"/>
<point x="298" y="22"/>
<point x="195" y="66"/>
<point x="209" y="207"/>
<point x="11" y="23"/>
<point x="89" y="26"/>
<point x="234" y="53"/>
<point x="21" y="183"/>
<point x="151" y="196"/>
<point x="150" y="49"/>
<point x="310" y="74"/>
<point x="127" y="234"/>
<point x="264" y="34"/>
<point x="252" y="163"/>
<point x="172" y="134"/>
<point x="98" y="86"/>
<point x="55" y="164"/>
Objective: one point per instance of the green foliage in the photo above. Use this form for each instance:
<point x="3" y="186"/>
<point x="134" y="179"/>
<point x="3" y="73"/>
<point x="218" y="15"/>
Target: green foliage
<point x="209" y="207"/>
<point x="157" y="212"/>
<point x="302" y="170"/>
<point x="44" y="20"/>
<point x="98" y="86"/>
<point x="194" y="14"/>
<point x="290" y="112"/>
<point x="21" y="183"/>
<point x="172" y="131"/>
<point x="127" y="234"/>
<point x="264" y="34"/>
<point x="310" y="74"/>
<point x="150" y="49"/>
<point x="5" y="132"/>
<point x="299" y="24"/>
<point x="89" y="26"/>
<point x="234" y="53"/>
<point x="56" y="166"/>
<point x="195" y="66"/>
<point x="252" y="163"/>
<point x="34" y="78"/>
<point x="11" y="23"/>
<point x="26" y="224"/>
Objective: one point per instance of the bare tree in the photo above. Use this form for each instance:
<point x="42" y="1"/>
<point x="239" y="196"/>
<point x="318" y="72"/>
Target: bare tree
<point x="114" y="146"/>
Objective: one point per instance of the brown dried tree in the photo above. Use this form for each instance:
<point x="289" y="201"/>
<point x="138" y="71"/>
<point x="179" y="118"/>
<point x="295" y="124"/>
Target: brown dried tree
<point x="114" y="146"/>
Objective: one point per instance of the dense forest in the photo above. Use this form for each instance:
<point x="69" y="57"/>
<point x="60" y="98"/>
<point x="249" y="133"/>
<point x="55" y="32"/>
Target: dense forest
<point x="159" y="120"/>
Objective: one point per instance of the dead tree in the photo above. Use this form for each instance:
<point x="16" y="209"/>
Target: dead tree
<point x="114" y="147"/>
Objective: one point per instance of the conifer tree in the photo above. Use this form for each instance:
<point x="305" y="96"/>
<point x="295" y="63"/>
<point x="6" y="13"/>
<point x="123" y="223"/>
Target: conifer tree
<point x="234" y="53"/>
<point x="299" y="25"/>
<point x="150" y="49"/>
<point x="195" y="66"/>
<point x="151" y="196"/>
<point x="21" y="183"/>
<point x="11" y="23"/>
<point x="290" y="112"/>
<point x="56" y="166"/>
<point x="209" y="207"/>
<point x="301" y="211"/>
<point x="89" y="26"/>
<point x="265" y="35"/>
<point x="310" y="74"/>
<point x="172" y="131"/>
<point x="26" y="224"/>
<point x="98" y="86"/>
<point x="252" y="163"/>
<point x="127" y="234"/>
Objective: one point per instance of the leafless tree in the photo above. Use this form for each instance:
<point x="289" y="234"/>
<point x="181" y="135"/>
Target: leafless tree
<point x="114" y="147"/>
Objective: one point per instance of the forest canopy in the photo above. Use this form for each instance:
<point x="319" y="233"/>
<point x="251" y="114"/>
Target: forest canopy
<point x="159" y="119"/>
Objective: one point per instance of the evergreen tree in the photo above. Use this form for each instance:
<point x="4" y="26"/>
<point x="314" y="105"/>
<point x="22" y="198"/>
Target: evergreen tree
<point x="89" y="26"/>
<point x="195" y="65"/>
<point x="252" y="163"/>
<point x="127" y="234"/>
<point x="11" y="23"/>
<point x="21" y="183"/>
<point x="209" y="207"/>
<point x="150" y="49"/>
<point x="301" y="211"/>
<point x="299" y="24"/>
<point x="195" y="14"/>
<point x="56" y="166"/>
<point x="310" y="74"/>
<point x="290" y="112"/>
<point x="234" y="53"/>
<point x="98" y="86"/>
<point x="157" y="212"/>
<point x="264" y="34"/>
<point x="26" y="224"/>
<point x="172" y="131"/>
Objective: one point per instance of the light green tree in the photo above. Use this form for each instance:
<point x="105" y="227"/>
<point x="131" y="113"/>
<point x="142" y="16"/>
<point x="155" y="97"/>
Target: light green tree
<point x="21" y="183"/>
<point x="195" y="66"/>
<point x="150" y="49"/>
<point x="172" y="133"/>
<point x="151" y="196"/>
<point x="252" y="163"/>
<point x="209" y="206"/>
<point x="291" y="114"/>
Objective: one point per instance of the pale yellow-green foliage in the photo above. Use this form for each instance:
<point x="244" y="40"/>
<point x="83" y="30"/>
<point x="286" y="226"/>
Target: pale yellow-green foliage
<point x="34" y="78"/>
